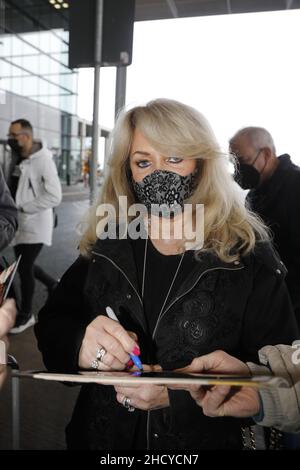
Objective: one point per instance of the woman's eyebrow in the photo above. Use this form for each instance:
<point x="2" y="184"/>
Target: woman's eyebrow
<point x="140" y="152"/>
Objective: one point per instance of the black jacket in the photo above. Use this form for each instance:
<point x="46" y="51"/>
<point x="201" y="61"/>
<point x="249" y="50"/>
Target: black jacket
<point x="277" y="202"/>
<point x="8" y="214"/>
<point x="236" y="307"/>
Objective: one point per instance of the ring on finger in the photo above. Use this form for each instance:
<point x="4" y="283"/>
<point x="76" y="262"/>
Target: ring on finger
<point x="95" y="364"/>
<point x="100" y="353"/>
<point x="126" y="402"/>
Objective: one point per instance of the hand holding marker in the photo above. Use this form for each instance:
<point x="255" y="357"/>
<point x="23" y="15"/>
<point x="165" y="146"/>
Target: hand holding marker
<point x="111" y="314"/>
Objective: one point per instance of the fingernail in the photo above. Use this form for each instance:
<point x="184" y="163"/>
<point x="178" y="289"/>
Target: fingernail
<point x="136" y="351"/>
<point x="129" y="363"/>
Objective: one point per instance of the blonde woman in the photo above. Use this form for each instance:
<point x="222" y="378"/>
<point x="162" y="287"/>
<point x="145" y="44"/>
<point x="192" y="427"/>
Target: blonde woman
<point x="175" y="298"/>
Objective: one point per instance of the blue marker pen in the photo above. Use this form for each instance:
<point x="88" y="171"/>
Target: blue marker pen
<point x="111" y="314"/>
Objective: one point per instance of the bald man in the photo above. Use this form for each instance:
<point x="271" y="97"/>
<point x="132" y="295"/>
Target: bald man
<point x="274" y="184"/>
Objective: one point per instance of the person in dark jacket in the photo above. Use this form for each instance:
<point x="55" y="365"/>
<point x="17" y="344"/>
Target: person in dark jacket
<point x="8" y="313"/>
<point x="8" y="227"/>
<point x="274" y="184"/>
<point x="8" y="214"/>
<point x="176" y="297"/>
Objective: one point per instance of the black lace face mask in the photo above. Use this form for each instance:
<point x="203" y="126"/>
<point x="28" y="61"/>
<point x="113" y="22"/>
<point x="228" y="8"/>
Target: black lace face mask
<point x="164" y="192"/>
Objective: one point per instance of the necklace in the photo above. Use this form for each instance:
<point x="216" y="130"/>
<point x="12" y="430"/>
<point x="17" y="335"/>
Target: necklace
<point x="171" y="285"/>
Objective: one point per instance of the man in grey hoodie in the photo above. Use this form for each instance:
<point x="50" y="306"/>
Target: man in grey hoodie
<point x="36" y="187"/>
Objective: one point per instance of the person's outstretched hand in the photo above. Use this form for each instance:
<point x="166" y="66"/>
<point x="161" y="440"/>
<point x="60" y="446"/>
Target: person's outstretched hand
<point x="222" y="400"/>
<point x="8" y="314"/>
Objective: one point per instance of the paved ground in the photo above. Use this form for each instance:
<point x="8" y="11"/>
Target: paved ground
<point x="45" y="406"/>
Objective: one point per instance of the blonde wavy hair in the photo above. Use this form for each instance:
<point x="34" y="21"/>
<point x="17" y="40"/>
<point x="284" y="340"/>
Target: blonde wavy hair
<point x="173" y="128"/>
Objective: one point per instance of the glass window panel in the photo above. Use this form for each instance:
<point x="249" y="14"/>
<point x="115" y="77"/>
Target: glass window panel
<point x="32" y="38"/>
<point x="61" y="33"/>
<point x="44" y="65"/>
<point x="27" y="48"/>
<point x="75" y="143"/>
<point x="68" y="103"/>
<point x="43" y="100"/>
<point x="5" y="68"/>
<point x="44" y="43"/>
<point x="55" y="78"/>
<point x="54" y="101"/>
<point x="44" y="88"/>
<point x="6" y="84"/>
<point x="16" y="86"/>
<point x="29" y="63"/>
<point x="54" y="67"/>
<point x="62" y="57"/>
<point x="30" y="86"/>
<point x="66" y="82"/>
<point x="6" y="45"/>
<point x="55" y="43"/>
<point x="16" y="46"/>
<point x="13" y="71"/>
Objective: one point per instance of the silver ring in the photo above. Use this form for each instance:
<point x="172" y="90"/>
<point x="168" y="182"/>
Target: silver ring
<point x="100" y="353"/>
<point x="126" y="403"/>
<point x="95" y="364"/>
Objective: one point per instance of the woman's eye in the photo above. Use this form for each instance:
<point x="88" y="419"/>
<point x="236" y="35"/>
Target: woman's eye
<point x="143" y="163"/>
<point x="174" y="159"/>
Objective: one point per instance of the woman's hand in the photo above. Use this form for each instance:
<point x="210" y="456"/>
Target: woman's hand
<point x="115" y="342"/>
<point x="144" y="397"/>
<point x="221" y="400"/>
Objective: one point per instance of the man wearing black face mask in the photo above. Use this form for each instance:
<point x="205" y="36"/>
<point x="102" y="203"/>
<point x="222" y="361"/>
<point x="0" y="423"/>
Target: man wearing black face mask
<point x="36" y="188"/>
<point x="16" y="138"/>
<point x="274" y="184"/>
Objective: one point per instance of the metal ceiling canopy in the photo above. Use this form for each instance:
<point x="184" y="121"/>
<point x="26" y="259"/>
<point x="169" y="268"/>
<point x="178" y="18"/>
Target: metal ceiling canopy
<point x="163" y="9"/>
<point x="40" y="14"/>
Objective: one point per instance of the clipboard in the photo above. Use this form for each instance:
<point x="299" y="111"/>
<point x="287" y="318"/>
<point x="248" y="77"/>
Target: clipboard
<point x="6" y="279"/>
<point x="156" y="378"/>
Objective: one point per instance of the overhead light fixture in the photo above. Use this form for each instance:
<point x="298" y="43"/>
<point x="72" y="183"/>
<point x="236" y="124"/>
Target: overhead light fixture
<point x="58" y="4"/>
